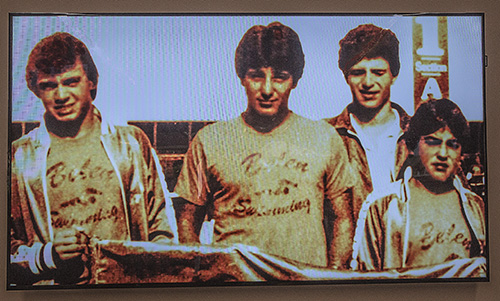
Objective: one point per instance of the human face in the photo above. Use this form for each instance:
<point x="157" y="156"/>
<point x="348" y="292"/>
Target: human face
<point x="370" y="81"/>
<point x="440" y="154"/>
<point x="66" y="96"/>
<point x="267" y="91"/>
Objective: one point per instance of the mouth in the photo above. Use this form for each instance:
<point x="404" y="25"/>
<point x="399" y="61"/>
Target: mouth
<point x="266" y="104"/>
<point x="65" y="109"/>
<point x="368" y="95"/>
<point x="442" y="167"/>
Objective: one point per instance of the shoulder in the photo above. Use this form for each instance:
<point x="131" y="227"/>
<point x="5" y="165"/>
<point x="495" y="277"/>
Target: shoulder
<point x="315" y="127"/>
<point x="26" y="141"/>
<point x="474" y="201"/>
<point x="128" y="137"/>
<point x="221" y="130"/>
<point x="404" y="118"/>
<point x="382" y="203"/>
<point x="22" y="142"/>
<point x="382" y="209"/>
<point x="130" y="131"/>
<point x="400" y="109"/>
<point x="383" y="200"/>
<point x="333" y="121"/>
<point x="468" y="197"/>
<point x="341" y="120"/>
<point x="318" y="132"/>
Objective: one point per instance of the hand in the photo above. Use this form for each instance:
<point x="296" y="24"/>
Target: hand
<point x="69" y="244"/>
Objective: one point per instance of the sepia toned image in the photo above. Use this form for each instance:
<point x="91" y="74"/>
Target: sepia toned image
<point x="171" y="150"/>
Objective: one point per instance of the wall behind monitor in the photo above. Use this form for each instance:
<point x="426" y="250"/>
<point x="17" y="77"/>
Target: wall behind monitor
<point x="430" y="291"/>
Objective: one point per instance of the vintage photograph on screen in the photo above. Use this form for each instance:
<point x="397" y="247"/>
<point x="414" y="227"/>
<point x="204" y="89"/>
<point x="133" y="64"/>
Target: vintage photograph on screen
<point x="221" y="149"/>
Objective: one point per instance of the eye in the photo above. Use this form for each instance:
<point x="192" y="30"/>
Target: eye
<point x="72" y="82"/>
<point x="431" y="141"/>
<point x="254" y="74"/>
<point x="282" y="75"/>
<point x="379" y="72"/>
<point x="45" y="86"/>
<point x="453" y="143"/>
<point x="356" y="72"/>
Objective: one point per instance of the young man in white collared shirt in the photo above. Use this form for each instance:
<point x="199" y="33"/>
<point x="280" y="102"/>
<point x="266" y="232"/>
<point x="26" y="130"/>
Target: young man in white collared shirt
<point x="371" y="126"/>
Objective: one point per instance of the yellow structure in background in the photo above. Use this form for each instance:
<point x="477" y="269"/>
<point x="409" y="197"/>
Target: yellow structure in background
<point x="430" y="58"/>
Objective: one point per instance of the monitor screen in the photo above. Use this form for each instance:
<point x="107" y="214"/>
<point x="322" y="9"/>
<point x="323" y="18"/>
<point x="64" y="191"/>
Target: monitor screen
<point x="223" y="149"/>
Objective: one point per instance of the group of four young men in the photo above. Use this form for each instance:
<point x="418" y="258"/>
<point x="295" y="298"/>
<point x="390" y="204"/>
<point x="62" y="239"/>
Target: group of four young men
<point x="329" y="194"/>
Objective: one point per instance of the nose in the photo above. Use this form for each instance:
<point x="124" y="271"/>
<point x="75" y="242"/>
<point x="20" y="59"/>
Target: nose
<point x="368" y="80"/>
<point x="443" y="151"/>
<point x="61" y="94"/>
<point x="267" y="86"/>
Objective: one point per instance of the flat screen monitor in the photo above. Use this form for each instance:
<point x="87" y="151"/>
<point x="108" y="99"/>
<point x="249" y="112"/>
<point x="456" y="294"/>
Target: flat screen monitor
<point x="246" y="149"/>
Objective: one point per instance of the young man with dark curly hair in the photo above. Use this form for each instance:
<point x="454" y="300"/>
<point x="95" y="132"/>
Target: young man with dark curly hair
<point x="77" y="176"/>
<point x="371" y="126"/>
<point x="270" y="178"/>
<point x="427" y="217"/>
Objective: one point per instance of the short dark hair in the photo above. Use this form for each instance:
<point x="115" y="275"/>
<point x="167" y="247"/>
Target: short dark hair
<point x="433" y="115"/>
<point x="57" y="53"/>
<point x="274" y="45"/>
<point x="369" y="41"/>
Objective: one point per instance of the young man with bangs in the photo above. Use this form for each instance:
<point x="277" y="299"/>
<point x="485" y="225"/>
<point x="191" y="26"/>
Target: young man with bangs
<point x="270" y="178"/>
<point x="77" y="176"/>
<point x="371" y="126"/>
<point x="427" y="217"/>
